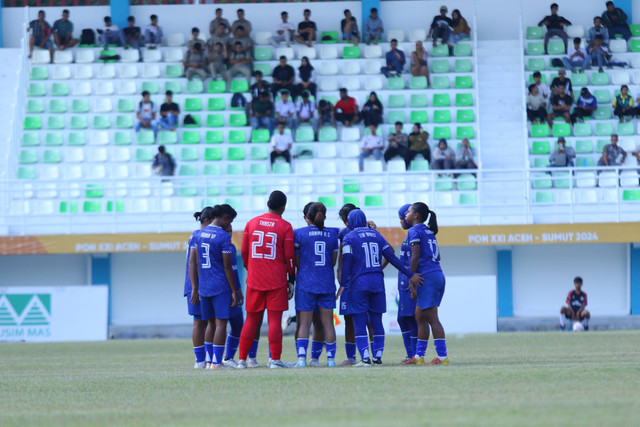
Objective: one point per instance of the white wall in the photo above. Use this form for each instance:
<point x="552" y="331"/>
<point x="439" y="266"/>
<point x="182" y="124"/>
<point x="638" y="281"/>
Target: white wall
<point x="44" y="270"/>
<point x="468" y="261"/>
<point x="543" y="276"/>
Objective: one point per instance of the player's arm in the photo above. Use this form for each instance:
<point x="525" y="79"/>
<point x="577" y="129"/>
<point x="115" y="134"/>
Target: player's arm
<point x="415" y="256"/>
<point x="334" y="257"/>
<point x="289" y="252"/>
<point x="231" y="280"/>
<point x="236" y="278"/>
<point x="193" y="276"/>
<point x="387" y="252"/>
<point x="244" y="250"/>
<point x="347" y="264"/>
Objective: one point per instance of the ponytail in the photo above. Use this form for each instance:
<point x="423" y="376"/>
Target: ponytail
<point x="432" y="222"/>
<point x="317" y="214"/>
<point x="207" y="213"/>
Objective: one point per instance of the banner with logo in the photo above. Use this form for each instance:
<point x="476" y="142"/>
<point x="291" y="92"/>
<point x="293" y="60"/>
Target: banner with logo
<point x="38" y="314"/>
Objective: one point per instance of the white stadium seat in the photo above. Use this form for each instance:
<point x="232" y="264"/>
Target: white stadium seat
<point x="574" y="31"/>
<point x="327" y="151"/>
<point x="84" y="72"/>
<point x="395" y="34"/>
<point x="636" y="77"/>
<point x="100" y="137"/>
<point x="417" y="34"/>
<point x="373" y="66"/>
<point x="586" y="196"/>
<point x="328" y="52"/>
<point x="329" y="68"/>
<point x="350" y="67"/>
<point x="95" y="155"/>
<point x="62" y="72"/>
<point x="262" y="37"/>
<point x="154" y="55"/>
<point x="121" y="154"/>
<point x="119" y="171"/>
<point x="174" y="55"/>
<point x="618" y="46"/>
<point x="151" y="71"/>
<point x="40" y="56"/>
<point x="373" y="51"/>
<point x="373" y="83"/>
<point x="175" y="39"/>
<point x="75" y="155"/>
<point x="73" y="172"/>
<point x="585" y="179"/>
<point x="350" y="134"/>
<point x="351" y="83"/>
<point x="62" y="57"/>
<point x="328" y="84"/>
<point x="628" y="178"/>
<point x="103" y="105"/>
<point x="127" y="88"/>
<point x="608" y="179"/>
<point x="96" y="172"/>
<point x="49" y="172"/>
<point x="82" y="89"/>
<point x="105" y="88"/>
<point x="85" y="56"/>
<point x="106" y="71"/>
<point x="128" y="72"/>
<point x="309" y="52"/>
<point x="635" y="61"/>
<point x="285" y="51"/>
<point x="620" y="77"/>
<point x="130" y="55"/>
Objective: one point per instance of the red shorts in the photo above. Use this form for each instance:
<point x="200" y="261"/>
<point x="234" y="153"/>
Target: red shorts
<point x="276" y="300"/>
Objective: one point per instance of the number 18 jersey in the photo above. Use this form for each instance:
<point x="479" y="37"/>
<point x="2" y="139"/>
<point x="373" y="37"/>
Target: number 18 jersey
<point x="316" y="249"/>
<point x="366" y="247"/>
<point x="268" y="252"/>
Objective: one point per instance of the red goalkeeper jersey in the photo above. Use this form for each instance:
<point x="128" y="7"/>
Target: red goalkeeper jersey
<point x="268" y="252"/>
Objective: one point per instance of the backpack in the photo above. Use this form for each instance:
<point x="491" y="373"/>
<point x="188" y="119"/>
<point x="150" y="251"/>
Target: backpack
<point x="88" y="37"/>
<point x="238" y="101"/>
<point x="189" y="120"/>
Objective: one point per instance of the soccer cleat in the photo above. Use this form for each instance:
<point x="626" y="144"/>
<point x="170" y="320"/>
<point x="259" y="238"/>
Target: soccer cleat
<point x="410" y="361"/>
<point x="331" y="363"/>
<point x="200" y="365"/>
<point x="418" y="360"/>
<point x="253" y="363"/>
<point x="242" y="364"/>
<point x="274" y="364"/>
<point x="302" y="362"/>
<point x="349" y="362"/>
<point x="437" y="361"/>
<point x="287" y="320"/>
<point x="315" y="363"/>
<point x="364" y="363"/>
<point x="230" y="363"/>
<point x="377" y="362"/>
<point x="213" y="366"/>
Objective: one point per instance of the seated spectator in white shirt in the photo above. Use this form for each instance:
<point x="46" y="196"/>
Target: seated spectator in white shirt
<point x="153" y="33"/>
<point x="305" y="108"/>
<point x="281" y="143"/>
<point x="286" y="111"/>
<point x="371" y="144"/>
<point x="536" y="105"/>
<point x="577" y="56"/>
<point x="146" y="114"/>
<point x="543" y="88"/>
<point x="284" y="32"/>
<point x="443" y="156"/>
<point x="465" y="156"/>
<point x="109" y="34"/>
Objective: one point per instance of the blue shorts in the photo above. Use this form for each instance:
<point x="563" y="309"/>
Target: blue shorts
<point x="218" y="306"/>
<point x="236" y="311"/>
<point x="306" y="301"/>
<point x="406" y="306"/>
<point x="47" y="44"/>
<point x="364" y="301"/>
<point x="193" y="310"/>
<point x="344" y="35"/>
<point x="345" y="306"/>
<point x="432" y="290"/>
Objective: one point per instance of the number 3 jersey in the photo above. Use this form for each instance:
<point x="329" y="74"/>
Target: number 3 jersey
<point x="316" y="249"/>
<point x="211" y="243"/>
<point x="268" y="252"/>
<point x="419" y="234"/>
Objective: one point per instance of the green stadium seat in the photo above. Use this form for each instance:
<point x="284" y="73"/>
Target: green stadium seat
<point x="418" y="101"/>
<point x="634" y="45"/>
<point x="234" y="188"/>
<point x="259" y="169"/>
<point x="584" y="146"/>
<point x="603" y="96"/>
<point x="560" y="129"/>
<point x="215" y="120"/>
<point x="32" y="139"/>
<point x="466" y="182"/>
<point x="124" y="122"/>
<point x="119" y="206"/>
<point x="59" y="89"/>
<point x="556" y="47"/>
<point x="122" y="138"/>
<point x="418" y="116"/>
<point x="396" y="101"/>
<point x="440" y="66"/>
<point x="126" y="106"/>
<point x="464" y="100"/>
<point x="443" y="183"/>
<point x="173" y="71"/>
<point x="441" y="50"/>
<point x="418" y="82"/>
<point x="144" y="155"/>
<point x="579" y="79"/>
<point x="151" y="87"/>
<point x="33" y="123"/>
<point x="440" y="132"/>
<point x="235" y="153"/>
<point x="441" y="100"/>
<point x="585" y="162"/>
<point x="395" y="83"/>
<point x="77" y="139"/>
<point x="624" y="129"/>
<point x="539" y="131"/>
<point x="462" y="66"/>
<point x="463" y="82"/>
<point x="540" y="147"/>
<point x="237" y="137"/>
<point x="145" y="137"/>
<point x="328" y="134"/>
<point x="239" y="86"/>
<point x="35" y="106"/>
<point x="190" y="137"/>
<point x="602" y="113"/>
<point x="351" y="186"/>
<point x="396" y="116"/>
<point x="536" y="64"/>
<point x="600" y="145"/>
<point x="535" y="48"/>
<point x="39" y="73"/>
<point x="238" y="119"/>
<point x="101" y="122"/>
<point x="173" y="86"/>
<point x="542" y="181"/>
<point x="373" y="201"/>
<point x="419" y="165"/>
<point x="262" y="54"/>
<point x="91" y="207"/>
<point x="468" y="199"/>
<point x="57" y="122"/>
<point x="188" y="154"/>
<point x="440" y="82"/>
<point x="599" y="79"/>
<point x="582" y="129"/>
<point x="94" y="191"/>
<point x="534" y="33"/>
<point x="107" y="52"/>
<point x="462" y="49"/>
<point x="213" y="154"/>
<point x="540" y="162"/>
<point x="304" y="134"/>
<point x="27" y="172"/>
<point x="355" y="200"/>
<point x="631" y="195"/>
<point x="260" y="136"/>
<point x="52" y="156"/>
<point x="259" y="153"/>
<point x="465" y="116"/>
<point x="80" y="106"/>
<point x="52" y="139"/>
<point x="562" y="180"/>
<point x="264" y="68"/>
<point x="28" y="157"/>
<point x="68" y="207"/>
<point x="635" y="30"/>
<point x="544" y="196"/>
<point x="216" y="104"/>
<point x="281" y="168"/>
<point x="217" y="86"/>
<point x="441" y="116"/>
<point x="328" y="201"/>
<point x="604" y="129"/>
<point x="37" y="89"/>
<point x="212" y="170"/>
<point x="193" y="104"/>
<point x="463" y="132"/>
<point x="213" y="137"/>
<point x="300" y="152"/>
<point x="329" y="37"/>
<point x="351" y="52"/>
<point x="195" y="86"/>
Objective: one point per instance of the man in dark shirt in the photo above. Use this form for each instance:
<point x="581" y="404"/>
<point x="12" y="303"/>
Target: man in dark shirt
<point x="163" y="163"/>
<point x="576" y="303"/>
<point x="615" y="20"/>
<point x="283" y="76"/>
<point x="63" y="32"/>
<point x="40" y="35"/>
<point x="555" y="26"/>
<point x="131" y="34"/>
<point x="560" y="105"/>
<point x="169" y="112"/>
<point x="562" y="79"/>
<point x="307" y="30"/>
<point x="259" y="86"/>
<point x="440" y="27"/>
<point x="260" y="112"/>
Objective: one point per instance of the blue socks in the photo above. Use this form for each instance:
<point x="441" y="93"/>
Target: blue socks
<point x="378" y="346"/>
<point x="254" y="349"/>
<point x="200" y="353"/>
<point x="350" y="349"/>
<point x="441" y="348"/>
<point x="362" y="342"/>
<point x="421" y="348"/>
<point x="232" y="346"/>
<point x="316" y="349"/>
<point x="414" y="343"/>
<point x="208" y="347"/>
<point x="301" y="346"/>
<point x="408" y="346"/>
<point x="218" y="351"/>
<point x="331" y="350"/>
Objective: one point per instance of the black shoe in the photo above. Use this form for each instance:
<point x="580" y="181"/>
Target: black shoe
<point x="376" y="361"/>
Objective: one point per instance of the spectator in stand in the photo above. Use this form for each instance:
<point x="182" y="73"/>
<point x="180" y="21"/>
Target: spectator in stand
<point x="284" y="32"/>
<point x="63" y="32"/>
<point x="146" y="114"/>
<point x="615" y="20"/>
<point x="460" y="26"/>
<point x="371" y="144"/>
<point x="611" y="152"/>
<point x="465" y="156"/>
<point x="419" y="66"/>
<point x="599" y="53"/>
<point x="577" y="57"/>
<point x="281" y="143"/>
<point x="398" y="145"/>
<point x="239" y="63"/>
<point x="536" y="105"/>
<point x="153" y="33"/>
<point x="40" y="35"/>
<point x="219" y="36"/>
<point x="169" y="113"/>
<point x="241" y="21"/>
<point x="286" y="111"/>
<point x="283" y="77"/>
<point x="306" y="78"/>
<point x="562" y="156"/>
<point x="542" y="87"/>
<point x="325" y="114"/>
<point x="131" y="35"/>
<point x="373" y="28"/>
<point x="260" y="111"/>
<point x="217" y="21"/>
<point x="349" y="27"/>
<point x="555" y="26"/>
<point x="109" y="34"/>
<point x="305" y="108"/>
<point x="259" y="86"/>
<point x="216" y="61"/>
<point x="623" y="104"/>
<point x="440" y="27"/>
<point x="395" y="61"/>
<point x="346" y="109"/>
<point x="372" y="110"/>
<point x="163" y="163"/>
<point x="240" y="36"/>
<point x="585" y="106"/>
<point x="560" y="105"/>
<point x="562" y="79"/>
<point x="418" y="143"/>
<point x="195" y="38"/>
<point x="576" y="303"/>
<point x="307" y="30"/>
<point x="194" y="62"/>
<point x="443" y="156"/>
<point x="597" y="30"/>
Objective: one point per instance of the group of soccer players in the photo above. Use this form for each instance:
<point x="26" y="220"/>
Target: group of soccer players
<point x="277" y="258"/>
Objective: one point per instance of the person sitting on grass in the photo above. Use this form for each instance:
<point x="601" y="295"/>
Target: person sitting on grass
<point x="576" y="306"/>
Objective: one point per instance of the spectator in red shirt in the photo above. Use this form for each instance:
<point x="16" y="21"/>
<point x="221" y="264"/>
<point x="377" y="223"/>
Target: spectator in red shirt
<point x="346" y="109"/>
<point x="576" y="303"/>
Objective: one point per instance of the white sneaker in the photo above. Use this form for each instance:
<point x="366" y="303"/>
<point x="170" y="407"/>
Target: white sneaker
<point x="253" y="363"/>
<point x="242" y="364"/>
<point x="315" y="363"/>
<point x="286" y="321"/>
<point x="274" y="364"/>
<point x="230" y="363"/>
<point x="302" y="362"/>
<point x="200" y="365"/>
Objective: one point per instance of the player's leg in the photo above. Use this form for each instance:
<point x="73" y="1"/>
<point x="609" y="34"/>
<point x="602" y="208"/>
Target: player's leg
<point x="349" y="340"/>
<point x="274" y="317"/>
<point x="329" y="334"/>
<point x="378" y="338"/>
<point x="233" y="338"/>
<point x="318" y="338"/>
<point x="585" y="316"/>
<point x="302" y="342"/>
<point x="438" y="337"/>
<point x="406" y="335"/>
<point x="197" y="336"/>
<point x="208" y="340"/>
<point x="362" y="339"/>
<point x="423" y="336"/>
<point x="564" y="313"/>
<point x="253" y="353"/>
<point x="219" y="338"/>
<point x="247" y="335"/>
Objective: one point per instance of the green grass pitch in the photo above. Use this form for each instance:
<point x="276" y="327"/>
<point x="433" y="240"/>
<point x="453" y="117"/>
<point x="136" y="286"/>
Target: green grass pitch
<point x="587" y="378"/>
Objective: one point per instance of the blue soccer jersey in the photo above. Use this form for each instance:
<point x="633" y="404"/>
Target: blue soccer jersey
<point x="190" y="245"/>
<point x="419" y="234"/>
<point x="316" y="249"/>
<point x="234" y="264"/>
<point x="405" y="258"/>
<point x="211" y="243"/>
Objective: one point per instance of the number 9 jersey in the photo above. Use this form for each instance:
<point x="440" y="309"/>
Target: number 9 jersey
<point x="316" y="249"/>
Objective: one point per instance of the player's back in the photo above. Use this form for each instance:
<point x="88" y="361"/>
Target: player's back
<point x="429" y="251"/>
<point x="366" y="246"/>
<point x="191" y="244"/>
<point x="267" y="251"/>
<point x="212" y="242"/>
<point x="316" y="248"/>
